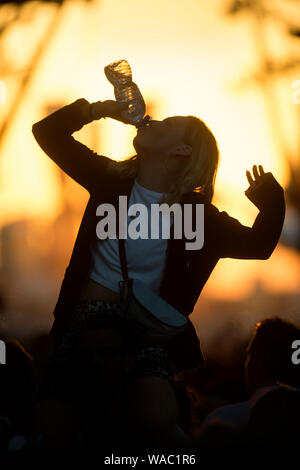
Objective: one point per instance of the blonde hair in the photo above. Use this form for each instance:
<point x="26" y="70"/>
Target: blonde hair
<point x="199" y="175"/>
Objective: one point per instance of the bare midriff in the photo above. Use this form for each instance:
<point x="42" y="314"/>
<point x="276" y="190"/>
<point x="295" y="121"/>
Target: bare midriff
<point x="92" y="290"/>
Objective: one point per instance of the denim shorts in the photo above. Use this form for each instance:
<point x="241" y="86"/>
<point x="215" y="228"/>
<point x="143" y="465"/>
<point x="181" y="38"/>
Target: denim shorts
<point x="149" y="360"/>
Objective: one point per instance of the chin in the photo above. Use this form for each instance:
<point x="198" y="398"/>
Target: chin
<point x="135" y="144"/>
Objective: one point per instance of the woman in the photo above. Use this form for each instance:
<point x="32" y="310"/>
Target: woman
<point x="176" y="161"/>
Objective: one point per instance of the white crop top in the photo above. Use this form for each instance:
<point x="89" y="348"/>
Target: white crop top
<point x="145" y="257"/>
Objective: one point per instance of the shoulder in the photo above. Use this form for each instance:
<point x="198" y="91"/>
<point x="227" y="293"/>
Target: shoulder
<point x="216" y="223"/>
<point x="194" y="197"/>
<point x="236" y="414"/>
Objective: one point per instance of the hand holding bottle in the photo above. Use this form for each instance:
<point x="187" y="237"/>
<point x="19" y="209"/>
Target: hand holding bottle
<point x="125" y="90"/>
<point x="109" y="108"/>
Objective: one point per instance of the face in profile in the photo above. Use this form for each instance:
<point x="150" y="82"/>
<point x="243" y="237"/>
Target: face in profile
<point x="164" y="140"/>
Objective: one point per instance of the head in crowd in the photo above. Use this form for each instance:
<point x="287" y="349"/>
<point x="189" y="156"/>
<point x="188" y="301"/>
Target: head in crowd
<point x="268" y="355"/>
<point x="275" y="416"/>
<point x="16" y="384"/>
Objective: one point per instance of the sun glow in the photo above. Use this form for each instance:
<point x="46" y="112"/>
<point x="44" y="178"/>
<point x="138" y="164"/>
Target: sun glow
<point x="188" y="67"/>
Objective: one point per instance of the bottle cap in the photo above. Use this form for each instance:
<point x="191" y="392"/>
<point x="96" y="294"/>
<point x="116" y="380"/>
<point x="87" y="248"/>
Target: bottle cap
<point x="142" y="122"/>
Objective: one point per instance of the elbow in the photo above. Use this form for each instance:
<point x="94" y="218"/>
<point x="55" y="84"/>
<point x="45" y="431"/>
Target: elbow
<point x="262" y="250"/>
<point x="36" y="131"/>
<point x="266" y="252"/>
<point x="42" y="134"/>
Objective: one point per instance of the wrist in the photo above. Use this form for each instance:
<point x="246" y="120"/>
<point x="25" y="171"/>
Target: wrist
<point x="97" y="110"/>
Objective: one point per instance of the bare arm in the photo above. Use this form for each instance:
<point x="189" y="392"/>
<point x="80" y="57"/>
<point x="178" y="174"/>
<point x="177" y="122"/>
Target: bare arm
<point x="235" y="240"/>
<point x="54" y="136"/>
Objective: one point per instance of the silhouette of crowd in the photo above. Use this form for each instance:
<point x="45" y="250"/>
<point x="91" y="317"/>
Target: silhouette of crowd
<point x="76" y="400"/>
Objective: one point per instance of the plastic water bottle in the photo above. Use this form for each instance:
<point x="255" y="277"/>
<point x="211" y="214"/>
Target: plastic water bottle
<point x="125" y="90"/>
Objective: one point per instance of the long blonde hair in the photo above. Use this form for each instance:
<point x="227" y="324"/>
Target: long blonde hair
<point x="200" y="173"/>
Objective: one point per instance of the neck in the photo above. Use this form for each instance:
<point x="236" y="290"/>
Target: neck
<point x="152" y="176"/>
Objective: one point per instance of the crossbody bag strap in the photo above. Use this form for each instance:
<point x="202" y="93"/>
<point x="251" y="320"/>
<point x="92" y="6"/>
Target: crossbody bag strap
<point x="122" y="255"/>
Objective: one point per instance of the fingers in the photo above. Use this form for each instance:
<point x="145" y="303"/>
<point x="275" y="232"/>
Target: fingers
<point x="249" y="177"/>
<point x="121" y="105"/>
<point x="258" y="175"/>
<point x="255" y="172"/>
<point x="261" y="170"/>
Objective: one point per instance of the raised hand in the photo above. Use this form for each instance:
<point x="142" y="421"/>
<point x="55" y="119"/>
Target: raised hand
<point x="263" y="189"/>
<point x="259" y="176"/>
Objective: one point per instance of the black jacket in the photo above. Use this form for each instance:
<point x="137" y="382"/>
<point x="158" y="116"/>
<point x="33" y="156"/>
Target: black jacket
<point x="186" y="271"/>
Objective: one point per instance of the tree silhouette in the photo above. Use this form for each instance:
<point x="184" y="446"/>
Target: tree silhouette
<point x="284" y="14"/>
<point x="41" y="48"/>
